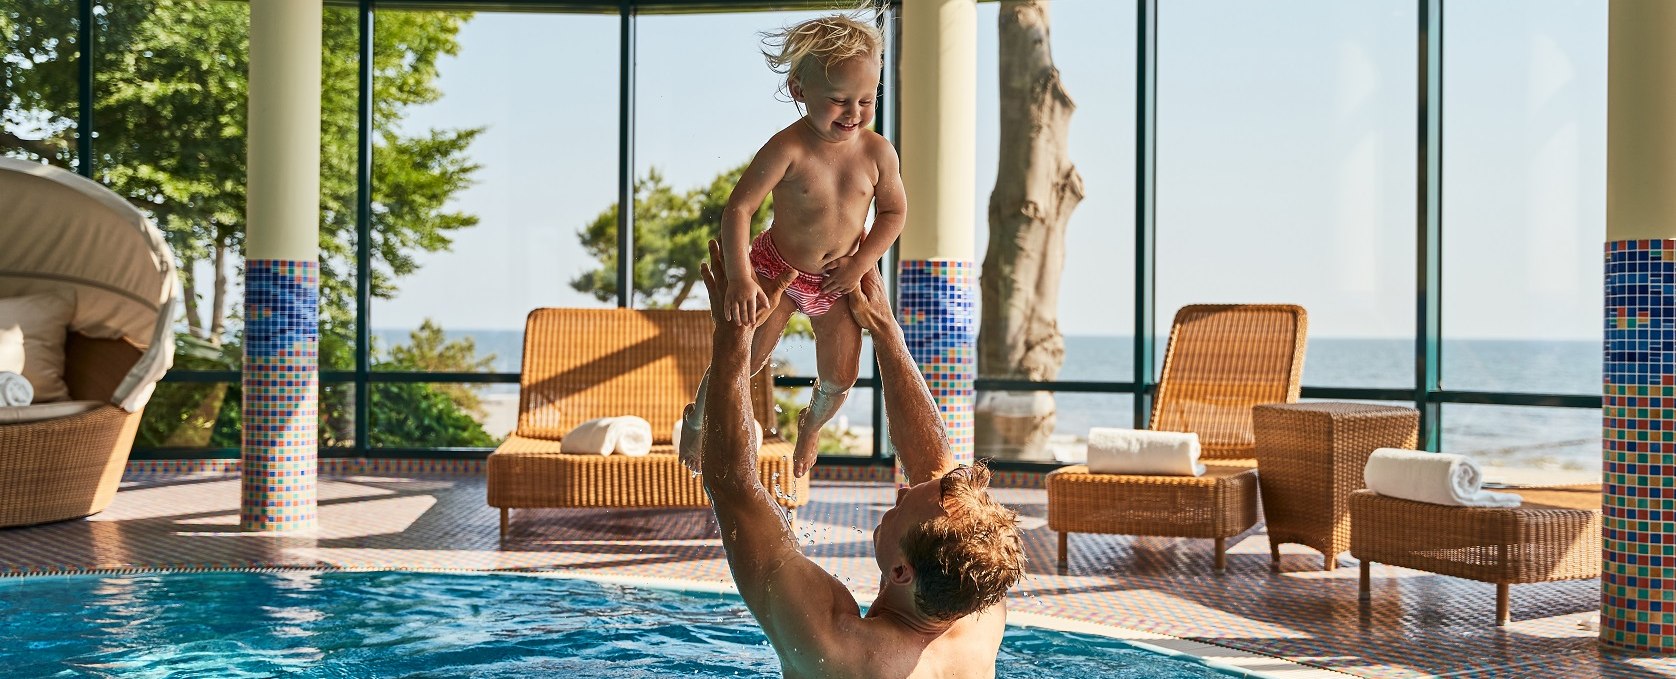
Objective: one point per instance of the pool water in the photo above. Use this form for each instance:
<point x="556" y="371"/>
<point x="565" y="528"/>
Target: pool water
<point x="403" y="624"/>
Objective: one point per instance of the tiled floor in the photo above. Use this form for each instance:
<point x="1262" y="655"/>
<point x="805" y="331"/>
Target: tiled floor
<point x="1416" y="625"/>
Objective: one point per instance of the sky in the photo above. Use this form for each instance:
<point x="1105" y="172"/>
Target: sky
<point x="1286" y="162"/>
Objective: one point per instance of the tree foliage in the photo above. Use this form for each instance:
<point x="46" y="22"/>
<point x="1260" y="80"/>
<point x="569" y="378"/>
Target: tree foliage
<point x="671" y="230"/>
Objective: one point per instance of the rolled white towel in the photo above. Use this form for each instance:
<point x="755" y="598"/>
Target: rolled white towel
<point x="15" y="390"/>
<point x="1140" y="451"/>
<point x="1437" y="478"/>
<point x="631" y="436"/>
<point x="675" y="437"/>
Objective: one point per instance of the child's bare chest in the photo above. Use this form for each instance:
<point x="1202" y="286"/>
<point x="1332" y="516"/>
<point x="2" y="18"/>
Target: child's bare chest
<point x="814" y="184"/>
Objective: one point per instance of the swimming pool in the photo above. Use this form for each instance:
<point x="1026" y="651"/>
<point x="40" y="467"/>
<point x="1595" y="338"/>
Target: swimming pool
<point x="407" y="624"/>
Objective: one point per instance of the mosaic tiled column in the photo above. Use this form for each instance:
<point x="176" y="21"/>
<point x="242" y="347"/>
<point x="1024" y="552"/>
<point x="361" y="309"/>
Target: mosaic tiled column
<point x="282" y="251"/>
<point x="281" y="395"/>
<point x="937" y="278"/>
<point x="938" y="312"/>
<point x="1638" y="569"/>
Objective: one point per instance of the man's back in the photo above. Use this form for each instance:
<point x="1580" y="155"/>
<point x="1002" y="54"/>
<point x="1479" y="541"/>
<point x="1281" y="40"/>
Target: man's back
<point x="885" y="646"/>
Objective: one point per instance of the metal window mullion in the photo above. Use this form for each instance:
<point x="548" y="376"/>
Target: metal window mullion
<point x="84" y="86"/>
<point x="891" y="128"/>
<point x="363" y="234"/>
<point x="1146" y="241"/>
<point x="625" y="156"/>
<point x="1429" y="227"/>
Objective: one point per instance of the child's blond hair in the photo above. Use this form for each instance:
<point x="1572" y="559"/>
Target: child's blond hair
<point x="824" y="41"/>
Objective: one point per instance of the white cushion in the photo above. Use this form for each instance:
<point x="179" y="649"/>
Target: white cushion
<point x="42" y="320"/>
<point x="11" y="349"/>
<point x="46" y="411"/>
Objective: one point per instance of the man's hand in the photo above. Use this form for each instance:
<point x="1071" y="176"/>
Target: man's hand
<point x="845" y="275"/>
<point x="869" y="304"/>
<point x="722" y="305"/>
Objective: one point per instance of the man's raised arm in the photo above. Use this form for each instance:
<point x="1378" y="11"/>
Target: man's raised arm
<point x="795" y="601"/>
<point x="729" y="445"/>
<point x="916" y="428"/>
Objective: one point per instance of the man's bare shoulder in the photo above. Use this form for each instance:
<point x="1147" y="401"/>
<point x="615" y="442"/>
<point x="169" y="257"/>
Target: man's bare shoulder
<point x="874" y="647"/>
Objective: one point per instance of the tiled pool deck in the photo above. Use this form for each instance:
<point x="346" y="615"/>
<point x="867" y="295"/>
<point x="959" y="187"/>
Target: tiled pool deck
<point x="429" y="516"/>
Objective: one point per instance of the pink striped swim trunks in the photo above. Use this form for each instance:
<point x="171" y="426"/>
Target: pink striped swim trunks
<point x="805" y="291"/>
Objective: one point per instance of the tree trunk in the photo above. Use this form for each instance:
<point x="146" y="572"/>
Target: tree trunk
<point x="1036" y="188"/>
<point x="681" y="295"/>
<point x="189" y="294"/>
<point x="218" y="303"/>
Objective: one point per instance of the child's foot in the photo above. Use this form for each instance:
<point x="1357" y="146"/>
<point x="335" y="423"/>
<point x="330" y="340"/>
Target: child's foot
<point x="688" y="447"/>
<point x="808" y="444"/>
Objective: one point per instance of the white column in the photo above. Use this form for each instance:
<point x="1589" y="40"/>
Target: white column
<point x="937" y="274"/>
<point x="282" y="335"/>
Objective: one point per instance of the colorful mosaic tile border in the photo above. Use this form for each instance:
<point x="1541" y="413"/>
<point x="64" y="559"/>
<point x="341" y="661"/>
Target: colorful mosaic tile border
<point x="338" y="466"/>
<point x="281" y="395"/>
<point x="938" y="312"/>
<point x="1638" y="574"/>
<point x="341" y="466"/>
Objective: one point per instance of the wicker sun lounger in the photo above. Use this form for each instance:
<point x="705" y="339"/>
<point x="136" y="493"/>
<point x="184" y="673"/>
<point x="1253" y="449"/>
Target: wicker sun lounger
<point x="1553" y="535"/>
<point x="1221" y="361"/>
<point x="581" y="364"/>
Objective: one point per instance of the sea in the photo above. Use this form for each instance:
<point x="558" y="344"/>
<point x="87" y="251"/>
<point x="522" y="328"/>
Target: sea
<point x="1521" y="437"/>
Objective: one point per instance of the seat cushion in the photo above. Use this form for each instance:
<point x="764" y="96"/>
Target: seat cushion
<point x="527" y="472"/>
<point x="40" y="412"/>
<point x="41" y="321"/>
<point x="1220" y="504"/>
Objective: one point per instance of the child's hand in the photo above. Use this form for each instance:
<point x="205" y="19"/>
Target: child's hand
<point x="746" y="302"/>
<point x="844" y="275"/>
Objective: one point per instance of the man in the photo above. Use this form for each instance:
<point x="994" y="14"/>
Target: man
<point x="947" y="553"/>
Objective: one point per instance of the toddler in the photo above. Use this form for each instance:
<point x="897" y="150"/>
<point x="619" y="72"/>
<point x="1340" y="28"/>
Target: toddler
<point x="824" y="171"/>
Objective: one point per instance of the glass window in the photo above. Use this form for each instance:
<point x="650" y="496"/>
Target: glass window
<point x="849" y="434"/>
<point x="191" y="415"/>
<point x="1066" y="437"/>
<point x="440" y="415"/>
<point x="39" y="83"/>
<point x="1524" y="207"/>
<point x="1093" y="49"/>
<point x="494" y="191"/>
<point x="1091" y="290"/>
<point x="1525" y="444"/>
<point x="490" y="173"/>
<point x="1286" y="173"/>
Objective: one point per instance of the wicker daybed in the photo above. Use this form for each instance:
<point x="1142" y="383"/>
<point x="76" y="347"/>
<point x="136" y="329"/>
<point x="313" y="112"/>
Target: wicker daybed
<point x="1222" y="359"/>
<point x="67" y="235"/>
<point x="581" y="364"/>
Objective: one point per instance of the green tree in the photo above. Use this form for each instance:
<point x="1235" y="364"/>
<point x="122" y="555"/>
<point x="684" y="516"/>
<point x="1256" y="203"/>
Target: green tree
<point x="671" y="232"/>
<point x="429" y="350"/>
<point x="423" y="415"/>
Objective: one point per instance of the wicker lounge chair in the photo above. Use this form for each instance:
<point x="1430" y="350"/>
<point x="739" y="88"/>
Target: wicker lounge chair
<point x="63" y="233"/>
<point x="580" y="364"/>
<point x="1221" y="361"/>
<point x="1553" y="535"/>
